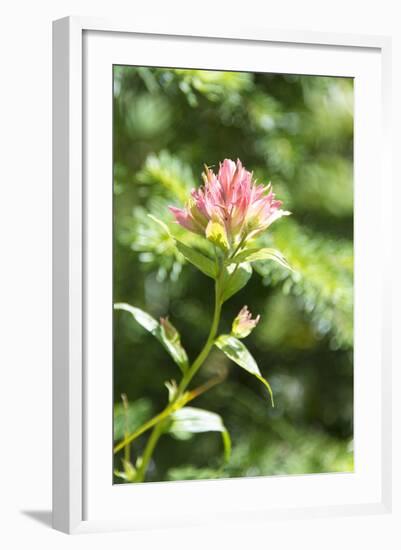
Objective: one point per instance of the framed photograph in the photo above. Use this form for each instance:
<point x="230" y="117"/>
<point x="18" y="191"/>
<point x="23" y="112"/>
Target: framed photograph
<point x="221" y="303"/>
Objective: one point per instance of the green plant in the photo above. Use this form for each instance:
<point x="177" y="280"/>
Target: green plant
<point x="229" y="212"/>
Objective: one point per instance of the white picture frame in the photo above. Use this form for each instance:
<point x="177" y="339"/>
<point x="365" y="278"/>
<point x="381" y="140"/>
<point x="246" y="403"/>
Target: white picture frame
<point x="81" y="49"/>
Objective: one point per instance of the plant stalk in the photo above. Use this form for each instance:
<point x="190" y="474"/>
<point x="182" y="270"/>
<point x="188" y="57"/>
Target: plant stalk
<point x="147" y="454"/>
<point x="206" y="348"/>
<point x="190" y="373"/>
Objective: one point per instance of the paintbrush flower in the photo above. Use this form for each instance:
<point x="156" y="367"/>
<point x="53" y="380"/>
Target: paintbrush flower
<point x="230" y="208"/>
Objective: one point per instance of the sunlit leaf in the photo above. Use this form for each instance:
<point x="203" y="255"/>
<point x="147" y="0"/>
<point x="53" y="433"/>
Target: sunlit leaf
<point x="172" y="345"/>
<point x="190" y="420"/>
<point x="234" y="278"/>
<point x="141" y="317"/>
<point x="255" y="254"/>
<point x="238" y="352"/>
<point x="199" y="260"/>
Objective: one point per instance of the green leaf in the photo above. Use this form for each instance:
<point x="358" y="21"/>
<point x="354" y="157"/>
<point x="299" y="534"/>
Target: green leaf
<point x="173" y="346"/>
<point x="235" y="277"/>
<point x="255" y="254"/>
<point x="146" y="321"/>
<point x="199" y="260"/>
<point x="190" y="420"/>
<point x="238" y="352"/>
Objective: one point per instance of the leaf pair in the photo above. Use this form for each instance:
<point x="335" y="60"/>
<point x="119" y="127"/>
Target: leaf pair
<point x="235" y="276"/>
<point x="239" y="270"/>
<point x="171" y="344"/>
<point x="236" y="271"/>
<point x="208" y="267"/>
<point x="238" y="352"/>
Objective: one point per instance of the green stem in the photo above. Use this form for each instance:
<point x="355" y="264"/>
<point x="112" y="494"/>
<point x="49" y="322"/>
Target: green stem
<point x="157" y="421"/>
<point x="147" y="454"/>
<point x="149" y="424"/>
<point x="206" y="348"/>
<point x="126" y="432"/>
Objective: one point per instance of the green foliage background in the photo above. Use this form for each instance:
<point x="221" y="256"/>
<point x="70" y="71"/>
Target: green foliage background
<point x="296" y="131"/>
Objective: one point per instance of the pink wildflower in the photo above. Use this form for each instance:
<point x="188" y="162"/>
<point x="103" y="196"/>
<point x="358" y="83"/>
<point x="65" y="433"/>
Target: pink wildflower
<point x="243" y="324"/>
<point x="230" y="207"/>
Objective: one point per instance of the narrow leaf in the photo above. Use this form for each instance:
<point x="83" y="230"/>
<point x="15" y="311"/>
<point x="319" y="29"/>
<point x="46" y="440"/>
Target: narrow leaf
<point x="238" y="352"/>
<point x="235" y="277"/>
<point x="199" y="260"/>
<point x="172" y="346"/>
<point x="146" y="321"/>
<point x="190" y="420"/>
<point x="256" y="254"/>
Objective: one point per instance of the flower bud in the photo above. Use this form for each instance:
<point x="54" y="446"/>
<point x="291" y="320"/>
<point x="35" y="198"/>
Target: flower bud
<point x="169" y="330"/>
<point x="243" y="324"/>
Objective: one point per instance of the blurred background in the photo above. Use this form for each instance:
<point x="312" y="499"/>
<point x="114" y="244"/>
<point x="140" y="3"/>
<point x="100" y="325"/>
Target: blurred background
<point x="297" y="132"/>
